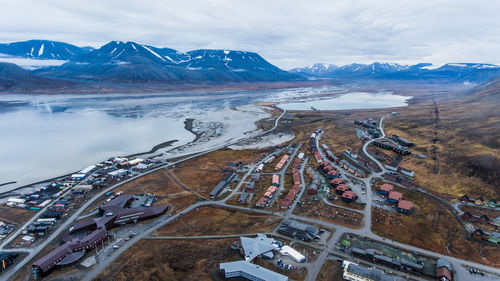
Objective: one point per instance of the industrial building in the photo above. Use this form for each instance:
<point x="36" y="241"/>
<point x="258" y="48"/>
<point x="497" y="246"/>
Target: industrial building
<point x="299" y="230"/>
<point x="356" y="272"/>
<point x="380" y="257"/>
<point x="86" y="235"/>
<point x="249" y="271"/>
<point x="221" y="185"/>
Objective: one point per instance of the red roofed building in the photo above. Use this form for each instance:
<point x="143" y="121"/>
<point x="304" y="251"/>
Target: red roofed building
<point x="443" y="273"/>
<point x="386" y="188"/>
<point x="394" y="197"/>
<point x="405" y="206"/>
<point x="332" y="174"/>
<point x="341" y="188"/>
<point x="349" y="196"/>
<point x="336" y="181"/>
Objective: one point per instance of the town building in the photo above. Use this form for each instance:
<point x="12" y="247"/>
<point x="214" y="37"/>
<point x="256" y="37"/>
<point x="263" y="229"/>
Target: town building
<point x="299" y="230"/>
<point x="405" y="206"/>
<point x="386" y="188"/>
<point x="394" y="197"/>
<point x="249" y="271"/>
<point x="356" y="272"/>
<point x="260" y="246"/>
<point x="444" y="270"/>
<point x="349" y="196"/>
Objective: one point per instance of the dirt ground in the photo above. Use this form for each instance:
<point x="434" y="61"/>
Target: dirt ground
<point x="15" y="215"/>
<point x="219" y="159"/>
<point x="219" y="221"/>
<point x="331" y="271"/>
<point x="160" y="184"/>
<point x="319" y="210"/>
<point x="202" y="181"/>
<point x="171" y="259"/>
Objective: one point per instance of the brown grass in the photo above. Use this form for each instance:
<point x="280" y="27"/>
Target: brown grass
<point x="219" y="221"/>
<point x="331" y="271"/>
<point x="171" y="259"/>
<point x="15" y="215"/>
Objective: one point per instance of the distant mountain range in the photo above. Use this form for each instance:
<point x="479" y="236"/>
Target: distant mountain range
<point x="118" y="65"/>
<point x="130" y="62"/>
<point x="451" y="72"/>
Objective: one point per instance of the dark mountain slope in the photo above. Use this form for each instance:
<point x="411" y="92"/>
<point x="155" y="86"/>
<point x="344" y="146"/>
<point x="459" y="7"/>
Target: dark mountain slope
<point x="42" y="49"/>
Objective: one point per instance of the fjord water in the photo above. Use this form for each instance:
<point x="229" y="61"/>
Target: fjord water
<point x="45" y="136"/>
<point x="353" y="100"/>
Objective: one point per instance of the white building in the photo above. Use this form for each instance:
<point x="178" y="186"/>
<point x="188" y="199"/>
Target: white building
<point x="118" y="173"/>
<point x="294" y="254"/>
<point x="88" y="169"/>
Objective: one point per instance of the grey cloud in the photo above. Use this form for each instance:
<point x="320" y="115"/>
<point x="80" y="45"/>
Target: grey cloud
<point x="287" y="33"/>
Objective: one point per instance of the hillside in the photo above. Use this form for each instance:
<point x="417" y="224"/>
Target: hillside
<point x="42" y="49"/>
<point x="133" y="62"/>
<point x="461" y="140"/>
<point x="14" y="78"/>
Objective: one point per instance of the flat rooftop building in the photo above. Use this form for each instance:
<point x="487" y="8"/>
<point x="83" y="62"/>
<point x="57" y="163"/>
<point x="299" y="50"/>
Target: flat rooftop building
<point x="299" y="230"/>
<point x="249" y="271"/>
<point x="355" y="272"/>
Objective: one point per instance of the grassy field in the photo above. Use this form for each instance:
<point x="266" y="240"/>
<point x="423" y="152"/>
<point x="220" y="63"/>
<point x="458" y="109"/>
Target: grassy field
<point x="171" y="259"/>
<point x="331" y="271"/>
<point x="219" y="221"/>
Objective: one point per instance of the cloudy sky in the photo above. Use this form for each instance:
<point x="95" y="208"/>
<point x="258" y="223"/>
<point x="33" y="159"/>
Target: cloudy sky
<point x="287" y="33"/>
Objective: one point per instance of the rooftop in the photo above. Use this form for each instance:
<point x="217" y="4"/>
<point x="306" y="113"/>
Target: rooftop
<point x="387" y="187"/>
<point x="405" y="205"/>
<point x="395" y="195"/>
<point x="253" y="270"/>
<point x="254" y="247"/>
<point x="370" y="273"/>
<point x="349" y="194"/>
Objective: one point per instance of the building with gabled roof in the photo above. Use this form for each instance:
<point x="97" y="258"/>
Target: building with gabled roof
<point x="386" y="188"/>
<point x="405" y="206"/>
<point x="395" y="196"/>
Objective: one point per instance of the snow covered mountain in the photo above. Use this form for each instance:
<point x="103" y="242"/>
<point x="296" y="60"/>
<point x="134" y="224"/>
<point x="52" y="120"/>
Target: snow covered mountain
<point x="316" y="69"/>
<point x="452" y="72"/>
<point x="133" y="62"/>
<point x="42" y="49"/>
